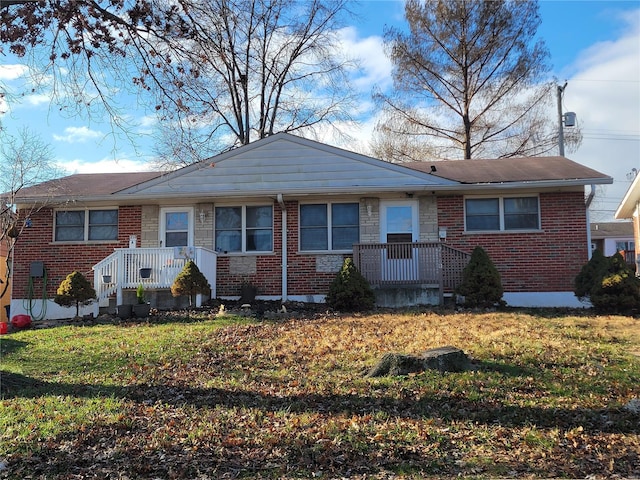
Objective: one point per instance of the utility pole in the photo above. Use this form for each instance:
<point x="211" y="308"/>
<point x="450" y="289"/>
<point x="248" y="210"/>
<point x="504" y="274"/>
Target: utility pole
<point x="566" y="120"/>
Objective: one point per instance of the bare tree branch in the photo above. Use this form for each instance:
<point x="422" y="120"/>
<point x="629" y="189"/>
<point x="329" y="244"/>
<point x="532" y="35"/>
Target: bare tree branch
<point x="470" y="80"/>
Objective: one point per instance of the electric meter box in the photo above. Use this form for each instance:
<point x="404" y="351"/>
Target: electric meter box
<point x="36" y="269"/>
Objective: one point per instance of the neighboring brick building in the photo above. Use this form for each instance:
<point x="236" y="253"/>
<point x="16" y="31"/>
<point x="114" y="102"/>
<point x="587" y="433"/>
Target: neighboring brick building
<point x="283" y="213"/>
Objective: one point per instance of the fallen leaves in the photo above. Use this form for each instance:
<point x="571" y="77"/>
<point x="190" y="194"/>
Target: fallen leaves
<point x="287" y="400"/>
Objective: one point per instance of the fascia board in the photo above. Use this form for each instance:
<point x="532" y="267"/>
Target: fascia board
<point x="628" y="205"/>
<point x="128" y="198"/>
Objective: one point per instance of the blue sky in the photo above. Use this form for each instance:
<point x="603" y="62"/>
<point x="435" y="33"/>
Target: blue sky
<point x="594" y="45"/>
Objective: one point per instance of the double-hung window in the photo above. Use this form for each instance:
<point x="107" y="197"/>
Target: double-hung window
<point x="502" y="214"/>
<point x="86" y="225"/>
<point x="244" y="229"/>
<point x="333" y="226"/>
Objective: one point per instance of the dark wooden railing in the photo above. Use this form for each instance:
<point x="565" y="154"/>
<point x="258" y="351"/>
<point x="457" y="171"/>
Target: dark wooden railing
<point x="629" y="257"/>
<point x="416" y="263"/>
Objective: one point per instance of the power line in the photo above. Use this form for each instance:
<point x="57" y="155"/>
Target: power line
<point x="632" y="138"/>
<point x="604" y="80"/>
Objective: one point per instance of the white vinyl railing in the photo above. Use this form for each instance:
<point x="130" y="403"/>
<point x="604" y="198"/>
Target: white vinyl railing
<point x="154" y="268"/>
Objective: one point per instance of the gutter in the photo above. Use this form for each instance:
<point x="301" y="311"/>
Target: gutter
<point x="587" y="204"/>
<point x="283" y="208"/>
<point x="132" y="198"/>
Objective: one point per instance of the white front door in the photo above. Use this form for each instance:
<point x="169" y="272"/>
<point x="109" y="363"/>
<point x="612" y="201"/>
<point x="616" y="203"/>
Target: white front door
<point x="399" y="224"/>
<point x="176" y="227"/>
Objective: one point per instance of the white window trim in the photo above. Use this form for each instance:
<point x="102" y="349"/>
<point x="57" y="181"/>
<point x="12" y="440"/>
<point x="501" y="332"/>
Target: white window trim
<point x="501" y="199"/>
<point x="329" y="227"/>
<point x="162" y="231"/>
<point x="243" y="231"/>
<point x="86" y="224"/>
<point x="415" y="217"/>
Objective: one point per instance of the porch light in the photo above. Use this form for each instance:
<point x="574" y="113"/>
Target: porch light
<point x="203" y="215"/>
<point x="442" y="233"/>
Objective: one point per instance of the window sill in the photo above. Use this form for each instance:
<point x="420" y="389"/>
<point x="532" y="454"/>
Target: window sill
<point x="325" y="252"/>
<point x="502" y="232"/>
<point x="244" y="254"/>
<point x="85" y="242"/>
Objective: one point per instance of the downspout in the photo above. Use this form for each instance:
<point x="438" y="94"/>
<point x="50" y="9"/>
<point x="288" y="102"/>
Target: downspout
<point x="587" y="204"/>
<point x="283" y="208"/>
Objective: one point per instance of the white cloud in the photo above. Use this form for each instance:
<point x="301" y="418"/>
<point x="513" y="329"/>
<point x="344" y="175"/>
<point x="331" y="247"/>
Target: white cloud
<point x="37" y="99"/>
<point x="148" y="121"/>
<point x="605" y="93"/>
<point x="12" y="72"/>
<point x="78" y="135"/>
<point x="105" y="165"/>
<point x="375" y="67"/>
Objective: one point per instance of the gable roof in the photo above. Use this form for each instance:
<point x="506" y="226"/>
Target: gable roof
<point x="287" y="164"/>
<point x="629" y="202"/>
<point x="507" y="170"/>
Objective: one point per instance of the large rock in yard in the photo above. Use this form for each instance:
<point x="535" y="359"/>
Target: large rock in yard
<point x="633" y="406"/>
<point x="395" y="364"/>
<point x="446" y="359"/>
<point x="443" y="359"/>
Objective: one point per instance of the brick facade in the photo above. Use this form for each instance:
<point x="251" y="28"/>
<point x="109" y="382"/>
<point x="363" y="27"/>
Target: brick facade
<point x="544" y="261"/>
<point x="540" y="261"/>
<point x="60" y="259"/>
<point x="307" y="273"/>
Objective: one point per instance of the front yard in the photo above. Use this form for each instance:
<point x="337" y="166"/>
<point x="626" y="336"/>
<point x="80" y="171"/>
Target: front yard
<point x="231" y="397"/>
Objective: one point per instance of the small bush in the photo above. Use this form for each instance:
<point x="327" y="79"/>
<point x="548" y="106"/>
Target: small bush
<point x="350" y="291"/>
<point x="75" y="290"/>
<point x="481" y="284"/>
<point x="140" y="296"/>
<point x="616" y="289"/>
<point x="590" y="275"/>
<point x="190" y="281"/>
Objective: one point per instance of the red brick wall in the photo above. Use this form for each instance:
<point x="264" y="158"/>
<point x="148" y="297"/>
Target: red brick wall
<point x="60" y="259"/>
<point x="302" y="276"/>
<point x="545" y="261"/>
<point x="268" y="276"/>
<point x="541" y="261"/>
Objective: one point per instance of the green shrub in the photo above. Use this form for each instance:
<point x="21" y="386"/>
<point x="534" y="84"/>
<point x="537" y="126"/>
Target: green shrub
<point x="75" y="290"/>
<point x="618" y="289"/>
<point x="481" y="284"/>
<point x="140" y="294"/>
<point x="190" y="281"/>
<point x="590" y="275"/>
<point x="350" y="291"/>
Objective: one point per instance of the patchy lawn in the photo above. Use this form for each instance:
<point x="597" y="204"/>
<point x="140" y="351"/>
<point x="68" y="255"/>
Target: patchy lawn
<point x="235" y="398"/>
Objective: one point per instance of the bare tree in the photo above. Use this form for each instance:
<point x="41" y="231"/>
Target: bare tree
<point x="220" y="73"/>
<point x="25" y="160"/>
<point x="470" y="81"/>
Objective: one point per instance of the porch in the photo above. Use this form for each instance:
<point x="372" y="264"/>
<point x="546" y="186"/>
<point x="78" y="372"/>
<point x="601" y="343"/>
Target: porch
<point x="422" y="266"/>
<point x="154" y="268"/>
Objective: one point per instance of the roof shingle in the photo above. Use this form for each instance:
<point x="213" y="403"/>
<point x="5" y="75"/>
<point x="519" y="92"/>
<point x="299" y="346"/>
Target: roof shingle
<point x="503" y="170"/>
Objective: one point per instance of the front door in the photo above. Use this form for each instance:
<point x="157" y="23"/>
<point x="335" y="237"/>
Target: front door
<point x="398" y="229"/>
<point x="176" y="227"/>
